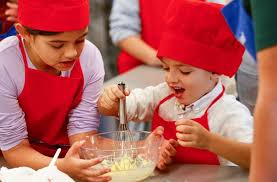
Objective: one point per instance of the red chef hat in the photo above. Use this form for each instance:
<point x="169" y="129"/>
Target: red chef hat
<point x="54" y="15"/>
<point x="197" y="34"/>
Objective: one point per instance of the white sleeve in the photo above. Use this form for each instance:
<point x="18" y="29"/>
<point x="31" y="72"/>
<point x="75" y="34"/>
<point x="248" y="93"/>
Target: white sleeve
<point x="231" y="119"/>
<point x="141" y="103"/>
<point x="124" y="20"/>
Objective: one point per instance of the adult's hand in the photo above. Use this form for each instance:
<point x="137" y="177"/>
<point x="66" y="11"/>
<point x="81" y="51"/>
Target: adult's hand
<point x="12" y="11"/>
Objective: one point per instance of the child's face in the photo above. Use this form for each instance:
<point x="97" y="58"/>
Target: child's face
<point x="57" y="52"/>
<point x="188" y="83"/>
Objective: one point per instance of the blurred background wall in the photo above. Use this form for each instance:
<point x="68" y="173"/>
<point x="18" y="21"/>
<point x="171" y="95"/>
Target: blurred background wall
<point x="99" y="34"/>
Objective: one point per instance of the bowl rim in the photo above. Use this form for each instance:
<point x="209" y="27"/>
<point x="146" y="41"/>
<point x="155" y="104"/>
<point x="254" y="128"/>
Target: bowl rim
<point x="114" y="150"/>
<point x="148" y="132"/>
<point x="108" y="132"/>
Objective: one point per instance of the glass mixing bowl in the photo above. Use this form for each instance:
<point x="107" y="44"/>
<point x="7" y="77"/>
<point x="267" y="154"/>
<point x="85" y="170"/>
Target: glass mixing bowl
<point x="131" y="155"/>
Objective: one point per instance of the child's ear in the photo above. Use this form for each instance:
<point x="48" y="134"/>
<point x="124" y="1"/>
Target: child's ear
<point x="22" y="31"/>
<point x="214" y="77"/>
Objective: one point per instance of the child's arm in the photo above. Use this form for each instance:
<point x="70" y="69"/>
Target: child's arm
<point x="234" y="151"/>
<point x="24" y="155"/>
<point x="125" y="29"/>
<point x="139" y="49"/>
<point x="140" y="102"/>
<point x="192" y="134"/>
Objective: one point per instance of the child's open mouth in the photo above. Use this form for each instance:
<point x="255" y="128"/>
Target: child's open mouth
<point x="178" y="91"/>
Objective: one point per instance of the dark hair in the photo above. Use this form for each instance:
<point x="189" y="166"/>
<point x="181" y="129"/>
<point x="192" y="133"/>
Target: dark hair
<point x="39" y="32"/>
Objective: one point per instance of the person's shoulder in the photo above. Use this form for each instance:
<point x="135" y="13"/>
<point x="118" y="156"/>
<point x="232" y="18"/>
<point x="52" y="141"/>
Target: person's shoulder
<point x="91" y="60"/>
<point x="89" y="46"/>
<point x="8" y="44"/>
<point x="229" y="106"/>
<point x="10" y="53"/>
<point x="11" y="64"/>
<point x="90" y="54"/>
<point x="231" y="100"/>
<point x="231" y="119"/>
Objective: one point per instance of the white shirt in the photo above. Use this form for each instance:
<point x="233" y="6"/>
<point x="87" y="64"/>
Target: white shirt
<point x="227" y="117"/>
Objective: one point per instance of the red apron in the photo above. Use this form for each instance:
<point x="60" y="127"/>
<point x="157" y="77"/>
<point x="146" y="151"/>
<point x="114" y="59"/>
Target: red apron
<point x="187" y="154"/>
<point x="46" y="101"/>
<point x="151" y="15"/>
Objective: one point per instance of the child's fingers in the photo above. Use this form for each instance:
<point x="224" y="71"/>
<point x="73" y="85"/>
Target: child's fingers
<point x="161" y="166"/>
<point x="166" y="157"/>
<point x="184" y="129"/>
<point x="96" y="172"/>
<point x="167" y="153"/>
<point x="12" y="5"/>
<point x="164" y="154"/>
<point x="84" y="164"/>
<point x="168" y="161"/>
<point x="171" y="151"/>
<point x="106" y="102"/>
<point x="185" y="122"/>
<point x="12" y="19"/>
<point x="154" y="135"/>
<point x="127" y="91"/>
<point x="185" y="137"/>
<point x="187" y="144"/>
<point x="111" y="95"/>
<point x="74" y="149"/>
<point x="173" y="142"/>
<point x="9" y="12"/>
<point x="158" y="131"/>
<point x="117" y="93"/>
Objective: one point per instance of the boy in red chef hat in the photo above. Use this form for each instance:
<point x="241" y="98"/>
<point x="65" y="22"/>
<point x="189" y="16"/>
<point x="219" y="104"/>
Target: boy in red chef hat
<point x="50" y="80"/>
<point x="202" y="124"/>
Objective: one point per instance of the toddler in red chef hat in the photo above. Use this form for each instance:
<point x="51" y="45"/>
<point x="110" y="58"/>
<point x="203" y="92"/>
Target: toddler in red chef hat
<point x="50" y="81"/>
<point x="202" y="124"/>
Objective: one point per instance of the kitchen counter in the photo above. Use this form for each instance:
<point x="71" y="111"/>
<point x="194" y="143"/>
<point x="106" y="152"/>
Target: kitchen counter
<point x="139" y="77"/>
<point x="200" y="173"/>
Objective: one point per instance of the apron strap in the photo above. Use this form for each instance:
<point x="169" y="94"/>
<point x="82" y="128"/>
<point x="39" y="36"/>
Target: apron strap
<point x="164" y="99"/>
<point x="216" y="99"/>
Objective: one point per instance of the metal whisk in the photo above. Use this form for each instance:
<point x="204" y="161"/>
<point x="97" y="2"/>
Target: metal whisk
<point x="124" y="136"/>
<point x="122" y="110"/>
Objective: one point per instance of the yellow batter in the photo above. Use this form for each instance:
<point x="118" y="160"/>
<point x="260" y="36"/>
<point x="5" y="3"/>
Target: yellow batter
<point x="128" y="169"/>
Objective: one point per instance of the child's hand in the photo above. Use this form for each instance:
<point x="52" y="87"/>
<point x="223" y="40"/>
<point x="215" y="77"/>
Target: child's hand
<point x="158" y="132"/>
<point x="155" y="138"/>
<point x="80" y="169"/>
<point x="12" y="11"/>
<point x="192" y="134"/>
<point x="166" y="153"/>
<point x="109" y="99"/>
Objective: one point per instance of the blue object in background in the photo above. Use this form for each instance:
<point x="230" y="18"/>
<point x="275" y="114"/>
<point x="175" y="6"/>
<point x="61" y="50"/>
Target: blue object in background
<point x="10" y="32"/>
<point x="241" y="24"/>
